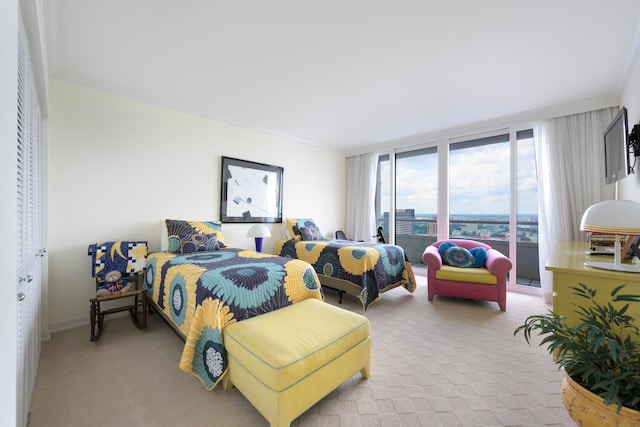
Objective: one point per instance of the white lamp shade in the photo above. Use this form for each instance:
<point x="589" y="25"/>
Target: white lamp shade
<point x="612" y="217"/>
<point x="259" y="230"/>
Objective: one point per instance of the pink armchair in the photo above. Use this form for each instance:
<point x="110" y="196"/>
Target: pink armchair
<point x="488" y="283"/>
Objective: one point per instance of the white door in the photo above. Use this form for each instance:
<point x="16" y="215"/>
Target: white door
<point x="29" y="233"/>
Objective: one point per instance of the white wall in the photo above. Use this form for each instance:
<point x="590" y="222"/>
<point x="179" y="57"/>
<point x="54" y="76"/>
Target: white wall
<point x="118" y="166"/>
<point x="629" y="188"/>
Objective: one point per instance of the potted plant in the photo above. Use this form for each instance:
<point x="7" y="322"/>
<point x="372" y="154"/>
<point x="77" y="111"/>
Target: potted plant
<point x="600" y="356"/>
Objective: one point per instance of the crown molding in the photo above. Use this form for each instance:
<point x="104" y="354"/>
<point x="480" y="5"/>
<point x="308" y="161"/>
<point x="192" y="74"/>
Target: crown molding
<point x="518" y="120"/>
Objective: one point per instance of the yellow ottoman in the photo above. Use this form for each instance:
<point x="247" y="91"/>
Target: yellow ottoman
<point x="286" y="360"/>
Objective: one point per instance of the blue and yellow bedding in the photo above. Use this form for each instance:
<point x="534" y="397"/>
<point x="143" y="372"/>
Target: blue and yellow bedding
<point x="371" y="268"/>
<point x="203" y="291"/>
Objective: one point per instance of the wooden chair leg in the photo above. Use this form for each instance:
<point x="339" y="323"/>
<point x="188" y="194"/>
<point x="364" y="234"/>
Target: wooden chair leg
<point x="143" y="311"/>
<point x="94" y="315"/>
<point x="139" y="311"/>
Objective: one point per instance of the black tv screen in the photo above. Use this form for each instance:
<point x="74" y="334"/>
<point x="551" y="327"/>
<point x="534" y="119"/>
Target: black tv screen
<point x="616" y="148"/>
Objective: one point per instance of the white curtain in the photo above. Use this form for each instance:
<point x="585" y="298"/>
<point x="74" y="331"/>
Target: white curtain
<point x="361" y="193"/>
<point x="570" y="163"/>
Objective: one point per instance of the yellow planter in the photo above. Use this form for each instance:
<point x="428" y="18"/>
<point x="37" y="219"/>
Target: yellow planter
<point x="588" y="409"/>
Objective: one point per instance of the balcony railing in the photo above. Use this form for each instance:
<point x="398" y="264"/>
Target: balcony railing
<point x="414" y="235"/>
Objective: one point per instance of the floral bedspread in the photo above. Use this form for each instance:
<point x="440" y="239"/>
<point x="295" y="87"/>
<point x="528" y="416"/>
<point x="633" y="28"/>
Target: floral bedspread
<point x="202" y="292"/>
<point x="370" y="266"/>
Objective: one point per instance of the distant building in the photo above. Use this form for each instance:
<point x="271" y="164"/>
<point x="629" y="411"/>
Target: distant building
<point x="404" y="220"/>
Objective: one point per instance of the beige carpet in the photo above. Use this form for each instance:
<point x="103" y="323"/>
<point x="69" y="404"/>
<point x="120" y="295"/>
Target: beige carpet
<point x="445" y="363"/>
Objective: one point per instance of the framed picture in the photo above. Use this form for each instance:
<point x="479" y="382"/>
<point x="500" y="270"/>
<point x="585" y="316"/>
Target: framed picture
<point x="251" y="192"/>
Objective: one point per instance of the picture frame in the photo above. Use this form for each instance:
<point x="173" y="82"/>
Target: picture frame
<point x="250" y="191"/>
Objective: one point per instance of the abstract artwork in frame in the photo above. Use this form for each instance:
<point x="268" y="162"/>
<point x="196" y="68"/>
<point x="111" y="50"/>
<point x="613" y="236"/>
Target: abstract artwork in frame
<point x="251" y="192"/>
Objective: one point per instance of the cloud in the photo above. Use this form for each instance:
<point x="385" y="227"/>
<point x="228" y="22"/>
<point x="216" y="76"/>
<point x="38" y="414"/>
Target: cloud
<point x="478" y="180"/>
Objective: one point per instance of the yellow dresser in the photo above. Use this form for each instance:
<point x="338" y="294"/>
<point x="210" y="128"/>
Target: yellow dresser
<point x="567" y="265"/>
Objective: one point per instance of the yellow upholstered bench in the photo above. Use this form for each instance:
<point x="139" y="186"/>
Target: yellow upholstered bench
<point x="287" y="360"/>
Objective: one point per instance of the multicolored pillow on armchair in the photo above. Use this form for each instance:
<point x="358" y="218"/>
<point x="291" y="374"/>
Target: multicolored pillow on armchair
<point x="458" y="257"/>
<point x="480" y="255"/>
<point x="444" y="246"/>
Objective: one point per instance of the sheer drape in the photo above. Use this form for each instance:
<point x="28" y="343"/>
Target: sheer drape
<point x="361" y="192"/>
<point x="570" y="163"/>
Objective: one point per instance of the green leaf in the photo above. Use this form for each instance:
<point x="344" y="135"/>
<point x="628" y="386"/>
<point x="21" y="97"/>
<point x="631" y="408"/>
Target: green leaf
<point x="601" y="351"/>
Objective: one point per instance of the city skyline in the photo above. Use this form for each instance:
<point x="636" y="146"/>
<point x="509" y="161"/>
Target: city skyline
<point x="482" y="216"/>
<point x="489" y="227"/>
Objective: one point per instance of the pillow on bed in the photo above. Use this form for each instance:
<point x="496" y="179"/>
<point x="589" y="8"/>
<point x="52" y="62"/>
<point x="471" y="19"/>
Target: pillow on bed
<point x="181" y="233"/>
<point x="200" y="243"/>
<point x="311" y="233"/>
<point x="304" y="222"/>
<point x="458" y="257"/>
<point x="291" y="229"/>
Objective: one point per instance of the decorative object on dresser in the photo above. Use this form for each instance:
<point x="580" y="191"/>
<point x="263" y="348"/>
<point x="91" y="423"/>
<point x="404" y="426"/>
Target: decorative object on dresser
<point x="467" y="269"/>
<point x="600" y="356"/>
<point x="617" y="218"/>
<point x="117" y="267"/>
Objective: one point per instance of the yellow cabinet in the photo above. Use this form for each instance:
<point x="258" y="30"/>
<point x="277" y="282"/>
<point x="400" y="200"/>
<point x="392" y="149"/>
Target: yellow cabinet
<point x="567" y="265"/>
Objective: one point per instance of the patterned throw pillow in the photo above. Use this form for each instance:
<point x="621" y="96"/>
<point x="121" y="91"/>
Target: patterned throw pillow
<point x="480" y="255"/>
<point x="311" y="233"/>
<point x="444" y="246"/>
<point x="291" y="229"/>
<point x="200" y="243"/>
<point x="189" y="233"/>
<point x="305" y="222"/>
<point x="458" y="257"/>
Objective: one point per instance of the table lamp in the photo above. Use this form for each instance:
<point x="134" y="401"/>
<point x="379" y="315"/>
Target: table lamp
<point x="616" y="217"/>
<point x="259" y="231"/>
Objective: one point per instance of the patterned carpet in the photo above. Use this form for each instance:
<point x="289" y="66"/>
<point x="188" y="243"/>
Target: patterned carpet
<point x="445" y="363"/>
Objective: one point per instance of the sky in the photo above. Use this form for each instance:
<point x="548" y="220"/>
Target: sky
<point x="478" y="181"/>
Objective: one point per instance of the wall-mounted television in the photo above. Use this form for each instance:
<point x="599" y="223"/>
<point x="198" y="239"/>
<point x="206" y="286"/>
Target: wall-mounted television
<point x="616" y="148"/>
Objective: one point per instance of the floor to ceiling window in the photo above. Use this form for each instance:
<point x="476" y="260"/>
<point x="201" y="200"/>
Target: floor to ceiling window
<point x="415" y="199"/>
<point x="479" y="189"/>
<point x="416" y="192"/>
<point x="482" y="175"/>
<point x="527" y="211"/>
<point x="383" y="195"/>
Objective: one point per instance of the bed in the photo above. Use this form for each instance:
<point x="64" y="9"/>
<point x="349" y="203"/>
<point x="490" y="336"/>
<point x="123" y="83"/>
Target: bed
<point x="364" y="270"/>
<point x="199" y="285"/>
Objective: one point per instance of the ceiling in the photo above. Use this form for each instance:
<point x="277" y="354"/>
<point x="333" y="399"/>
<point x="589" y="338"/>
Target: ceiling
<point x="347" y="73"/>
